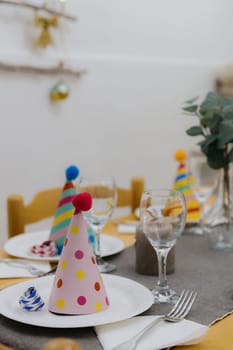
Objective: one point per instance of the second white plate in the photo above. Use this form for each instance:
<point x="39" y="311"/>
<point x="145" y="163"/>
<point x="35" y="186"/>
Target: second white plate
<point x="20" y="245"/>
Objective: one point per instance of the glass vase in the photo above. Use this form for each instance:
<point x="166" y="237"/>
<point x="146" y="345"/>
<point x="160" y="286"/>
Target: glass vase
<point x="218" y="219"/>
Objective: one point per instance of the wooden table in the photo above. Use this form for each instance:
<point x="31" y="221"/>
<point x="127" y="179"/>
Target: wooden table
<point x="220" y="335"/>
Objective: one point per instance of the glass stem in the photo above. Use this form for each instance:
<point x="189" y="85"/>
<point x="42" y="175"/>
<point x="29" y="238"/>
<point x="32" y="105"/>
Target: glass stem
<point x="97" y="245"/>
<point x="162" y="267"/>
<point x="226" y="189"/>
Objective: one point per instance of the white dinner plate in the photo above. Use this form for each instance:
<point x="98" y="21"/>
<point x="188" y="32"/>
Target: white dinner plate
<point x="20" y="245"/>
<point x="127" y="299"/>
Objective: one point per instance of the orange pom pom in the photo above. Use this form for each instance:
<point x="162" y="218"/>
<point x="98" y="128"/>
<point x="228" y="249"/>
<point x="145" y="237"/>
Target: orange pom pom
<point x="180" y="155"/>
<point x="61" y="344"/>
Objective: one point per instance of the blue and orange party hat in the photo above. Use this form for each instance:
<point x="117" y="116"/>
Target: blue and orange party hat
<point x="182" y="183"/>
<point x="65" y="209"/>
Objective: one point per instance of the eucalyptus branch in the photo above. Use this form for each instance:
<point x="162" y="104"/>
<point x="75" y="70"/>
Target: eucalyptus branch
<point x="38" y="8"/>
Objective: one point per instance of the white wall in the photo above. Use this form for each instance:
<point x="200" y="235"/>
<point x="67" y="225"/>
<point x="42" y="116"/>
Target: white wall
<point x="144" y="58"/>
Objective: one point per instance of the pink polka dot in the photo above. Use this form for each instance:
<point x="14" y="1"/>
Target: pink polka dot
<point x="106" y="301"/>
<point x="81" y="300"/>
<point x="79" y="254"/>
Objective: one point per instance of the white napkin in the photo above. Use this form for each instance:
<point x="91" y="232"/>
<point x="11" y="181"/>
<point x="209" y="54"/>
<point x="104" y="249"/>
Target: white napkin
<point x="126" y="228"/>
<point x="10" y="271"/>
<point x="162" y="335"/>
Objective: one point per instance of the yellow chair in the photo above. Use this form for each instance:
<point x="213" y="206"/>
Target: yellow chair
<point x="44" y="205"/>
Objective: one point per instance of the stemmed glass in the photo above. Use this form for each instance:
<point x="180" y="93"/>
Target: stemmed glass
<point x="202" y="181"/>
<point x="163" y="216"/>
<point x="104" y="195"/>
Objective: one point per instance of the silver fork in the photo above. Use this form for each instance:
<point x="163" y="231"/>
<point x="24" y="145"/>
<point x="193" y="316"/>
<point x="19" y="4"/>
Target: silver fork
<point x="24" y="264"/>
<point x="178" y="313"/>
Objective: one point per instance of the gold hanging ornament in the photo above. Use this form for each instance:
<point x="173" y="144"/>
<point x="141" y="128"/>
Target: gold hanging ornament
<point x="59" y="91"/>
<point x="45" y="38"/>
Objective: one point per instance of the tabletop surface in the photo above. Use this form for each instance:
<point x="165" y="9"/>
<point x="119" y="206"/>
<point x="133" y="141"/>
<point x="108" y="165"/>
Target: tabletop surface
<point x="197" y="267"/>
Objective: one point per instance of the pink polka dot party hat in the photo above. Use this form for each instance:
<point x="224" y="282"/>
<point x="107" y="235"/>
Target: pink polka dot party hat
<point x="65" y="209"/>
<point x="78" y="288"/>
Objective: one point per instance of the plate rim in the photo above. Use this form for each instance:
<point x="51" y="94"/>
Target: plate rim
<point x="121" y="246"/>
<point x="4" y="294"/>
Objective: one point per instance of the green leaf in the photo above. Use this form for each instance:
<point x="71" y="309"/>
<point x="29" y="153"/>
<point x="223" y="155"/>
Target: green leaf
<point x="215" y="162"/>
<point x="207" y="142"/>
<point x="225" y="133"/>
<point x="190" y="102"/>
<point x="215" y="156"/>
<point x="207" y="145"/>
<point x="212" y="122"/>
<point x="226" y="101"/>
<point x="194" y="131"/>
<point x="191" y="109"/>
<point x="211" y="102"/>
<point x="228" y="112"/>
<point x="204" y="149"/>
<point x="212" y="119"/>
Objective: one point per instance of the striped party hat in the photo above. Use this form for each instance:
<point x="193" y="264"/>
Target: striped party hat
<point x="182" y="183"/>
<point x="65" y="209"/>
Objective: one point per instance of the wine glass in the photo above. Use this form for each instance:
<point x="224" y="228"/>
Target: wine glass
<point x="163" y="216"/>
<point x="104" y="195"/>
<point x="202" y="180"/>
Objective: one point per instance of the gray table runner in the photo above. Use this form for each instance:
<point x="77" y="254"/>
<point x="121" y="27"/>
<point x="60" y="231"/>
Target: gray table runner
<point x="197" y="267"/>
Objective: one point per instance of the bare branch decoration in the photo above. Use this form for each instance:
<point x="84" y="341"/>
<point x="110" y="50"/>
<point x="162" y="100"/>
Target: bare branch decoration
<point x="38" y="7"/>
<point x="58" y="69"/>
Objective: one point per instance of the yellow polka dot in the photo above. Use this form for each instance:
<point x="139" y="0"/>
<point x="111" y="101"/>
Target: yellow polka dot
<point x="63" y="264"/>
<point x="98" y="306"/>
<point x="80" y="274"/>
<point x="74" y="229"/>
<point x="60" y="303"/>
